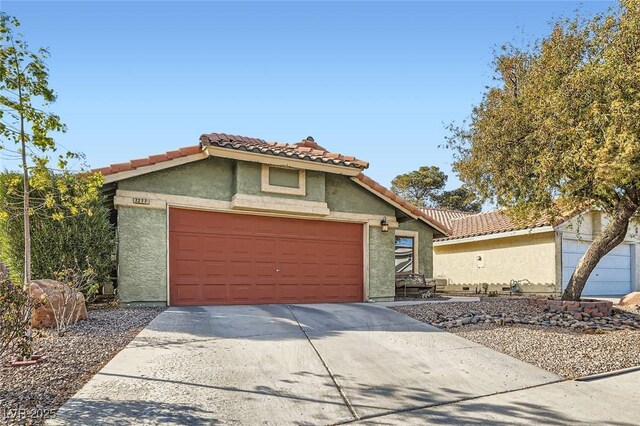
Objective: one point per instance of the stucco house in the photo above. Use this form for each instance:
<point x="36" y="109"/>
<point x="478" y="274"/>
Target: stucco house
<point x="237" y="220"/>
<point x="487" y="248"/>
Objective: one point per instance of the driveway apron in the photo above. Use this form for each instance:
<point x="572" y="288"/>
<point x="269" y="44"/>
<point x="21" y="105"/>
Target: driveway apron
<point x="289" y="364"/>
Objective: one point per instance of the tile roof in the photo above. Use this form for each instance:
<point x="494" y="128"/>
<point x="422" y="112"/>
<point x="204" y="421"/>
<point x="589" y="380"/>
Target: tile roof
<point x="375" y="186"/>
<point x="445" y="216"/>
<point x="307" y="149"/>
<point x="148" y="161"/>
<point x="493" y="222"/>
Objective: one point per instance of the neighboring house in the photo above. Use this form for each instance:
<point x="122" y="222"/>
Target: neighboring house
<point x="237" y="220"/>
<point x="487" y="248"/>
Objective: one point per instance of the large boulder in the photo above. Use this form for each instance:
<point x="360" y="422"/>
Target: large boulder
<point x="630" y="299"/>
<point x="50" y="296"/>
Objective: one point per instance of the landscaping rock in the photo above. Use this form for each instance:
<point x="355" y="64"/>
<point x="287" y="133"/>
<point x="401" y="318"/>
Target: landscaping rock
<point x="630" y="299"/>
<point x="519" y="311"/>
<point x="51" y="294"/>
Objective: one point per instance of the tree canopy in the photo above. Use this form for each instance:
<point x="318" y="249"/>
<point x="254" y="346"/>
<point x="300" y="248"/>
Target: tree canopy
<point x="460" y="199"/>
<point x="425" y="187"/>
<point x="559" y="133"/>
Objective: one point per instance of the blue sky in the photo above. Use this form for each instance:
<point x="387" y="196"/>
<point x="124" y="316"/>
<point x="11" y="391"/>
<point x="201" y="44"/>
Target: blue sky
<point x="378" y="80"/>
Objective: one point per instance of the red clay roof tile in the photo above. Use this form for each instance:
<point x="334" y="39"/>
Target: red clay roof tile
<point x="305" y="150"/>
<point x="487" y="223"/>
<point x="148" y="161"/>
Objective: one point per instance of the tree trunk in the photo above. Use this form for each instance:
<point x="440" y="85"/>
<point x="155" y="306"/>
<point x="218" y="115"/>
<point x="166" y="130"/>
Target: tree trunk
<point x="25" y="171"/>
<point x="613" y="234"/>
<point x="27" y="348"/>
<point x="27" y="225"/>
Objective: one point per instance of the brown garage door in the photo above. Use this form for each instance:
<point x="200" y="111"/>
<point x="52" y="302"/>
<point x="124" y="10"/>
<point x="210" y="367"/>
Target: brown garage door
<point x="223" y="258"/>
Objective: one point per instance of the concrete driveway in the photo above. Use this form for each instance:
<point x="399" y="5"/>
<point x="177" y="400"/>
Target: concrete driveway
<point x="290" y="364"/>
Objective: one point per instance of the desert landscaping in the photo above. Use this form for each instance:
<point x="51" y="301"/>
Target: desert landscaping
<point x="71" y="360"/>
<point x="556" y="342"/>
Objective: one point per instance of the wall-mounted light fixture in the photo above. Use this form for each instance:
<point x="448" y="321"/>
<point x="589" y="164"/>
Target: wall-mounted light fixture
<point x="384" y="224"/>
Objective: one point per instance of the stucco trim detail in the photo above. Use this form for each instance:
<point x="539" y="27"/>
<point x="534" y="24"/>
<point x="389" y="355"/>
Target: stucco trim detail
<point x="528" y="231"/>
<point x="114" y="177"/>
<point x="416" y="246"/>
<point x="280" y="161"/>
<point x="271" y="204"/>
<point x="160" y="202"/>
<point x="267" y="187"/>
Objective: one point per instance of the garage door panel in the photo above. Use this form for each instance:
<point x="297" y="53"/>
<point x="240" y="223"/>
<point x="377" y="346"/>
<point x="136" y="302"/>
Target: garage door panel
<point x="264" y="247"/>
<point x="212" y="291"/>
<point x="331" y="270"/>
<point x="222" y="258"/>
<point x="265" y="271"/>
<point x="185" y="268"/>
<point x="609" y="261"/>
<point x="215" y="245"/>
<point x="612" y="275"/>
<point x="350" y="271"/>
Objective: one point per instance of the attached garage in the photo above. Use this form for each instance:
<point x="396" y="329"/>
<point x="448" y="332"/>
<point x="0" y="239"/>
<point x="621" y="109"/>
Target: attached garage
<point x="237" y="220"/>
<point x="612" y="276"/>
<point x="225" y="258"/>
<point x="486" y="251"/>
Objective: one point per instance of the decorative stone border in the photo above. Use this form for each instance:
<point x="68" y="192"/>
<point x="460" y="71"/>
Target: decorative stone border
<point x="591" y="307"/>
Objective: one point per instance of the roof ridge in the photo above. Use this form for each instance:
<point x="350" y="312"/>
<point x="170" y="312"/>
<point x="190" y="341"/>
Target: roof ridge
<point x="307" y="149"/>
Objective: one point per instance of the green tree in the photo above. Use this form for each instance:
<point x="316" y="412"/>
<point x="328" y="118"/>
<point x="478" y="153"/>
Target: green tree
<point x="26" y="129"/>
<point x="560" y="131"/>
<point x="420" y="186"/>
<point x="25" y="126"/>
<point x="424" y="187"/>
<point x="460" y="199"/>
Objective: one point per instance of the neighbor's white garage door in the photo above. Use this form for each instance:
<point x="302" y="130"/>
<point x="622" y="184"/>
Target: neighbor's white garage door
<point x="612" y="276"/>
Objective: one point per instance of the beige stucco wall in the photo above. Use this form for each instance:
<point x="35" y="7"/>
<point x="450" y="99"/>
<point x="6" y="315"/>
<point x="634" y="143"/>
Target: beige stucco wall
<point x="531" y="256"/>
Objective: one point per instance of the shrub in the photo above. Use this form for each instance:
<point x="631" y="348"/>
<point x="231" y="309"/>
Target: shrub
<point x="73" y="283"/>
<point x="63" y="236"/>
<point x="14" y="322"/>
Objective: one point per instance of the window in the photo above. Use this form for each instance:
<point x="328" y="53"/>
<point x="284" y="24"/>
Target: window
<point x="405" y="254"/>
<point x="281" y="180"/>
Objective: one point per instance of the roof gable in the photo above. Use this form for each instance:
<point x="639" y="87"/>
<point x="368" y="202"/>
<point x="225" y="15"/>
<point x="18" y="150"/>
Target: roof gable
<point x="305" y="151"/>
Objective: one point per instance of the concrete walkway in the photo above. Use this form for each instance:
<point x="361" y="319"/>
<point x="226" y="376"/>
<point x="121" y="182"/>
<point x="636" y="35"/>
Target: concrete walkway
<point x="297" y="364"/>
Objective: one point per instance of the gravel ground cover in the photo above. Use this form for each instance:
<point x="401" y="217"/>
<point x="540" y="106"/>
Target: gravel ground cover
<point x="517" y="310"/>
<point x="29" y="395"/>
<point x="566" y="351"/>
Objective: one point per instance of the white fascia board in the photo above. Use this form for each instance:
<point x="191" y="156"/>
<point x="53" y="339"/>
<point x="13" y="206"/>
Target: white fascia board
<point x="528" y="231"/>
